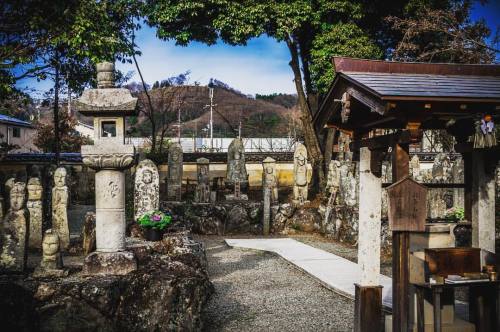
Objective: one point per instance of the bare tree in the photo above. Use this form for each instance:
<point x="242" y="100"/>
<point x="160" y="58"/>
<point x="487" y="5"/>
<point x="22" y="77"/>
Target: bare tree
<point x="438" y="35"/>
<point x="160" y="109"/>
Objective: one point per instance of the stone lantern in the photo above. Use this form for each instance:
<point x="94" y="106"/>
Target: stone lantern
<point x="109" y="157"/>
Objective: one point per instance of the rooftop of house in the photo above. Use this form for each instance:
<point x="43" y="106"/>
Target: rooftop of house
<point x="14" y="121"/>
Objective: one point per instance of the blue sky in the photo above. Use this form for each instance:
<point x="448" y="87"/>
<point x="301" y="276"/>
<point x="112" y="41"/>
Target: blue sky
<point x="260" y="67"/>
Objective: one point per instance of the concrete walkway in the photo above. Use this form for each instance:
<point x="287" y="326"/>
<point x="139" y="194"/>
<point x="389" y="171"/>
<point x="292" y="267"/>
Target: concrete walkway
<point x="336" y="273"/>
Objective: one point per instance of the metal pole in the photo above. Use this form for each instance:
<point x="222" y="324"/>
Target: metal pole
<point x="211" y="119"/>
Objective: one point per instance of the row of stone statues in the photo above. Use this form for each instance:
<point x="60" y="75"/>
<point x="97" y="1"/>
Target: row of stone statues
<point x="21" y="228"/>
<point x="146" y="194"/>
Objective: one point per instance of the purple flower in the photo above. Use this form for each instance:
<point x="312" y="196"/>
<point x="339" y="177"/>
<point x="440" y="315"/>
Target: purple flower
<point x="156" y="217"/>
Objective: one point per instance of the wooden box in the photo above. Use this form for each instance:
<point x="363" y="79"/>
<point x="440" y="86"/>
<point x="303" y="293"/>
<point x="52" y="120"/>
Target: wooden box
<point x="446" y="261"/>
<point x="407" y="206"/>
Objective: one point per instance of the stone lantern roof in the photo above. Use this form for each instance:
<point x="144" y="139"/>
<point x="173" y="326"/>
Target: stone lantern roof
<point x="106" y="99"/>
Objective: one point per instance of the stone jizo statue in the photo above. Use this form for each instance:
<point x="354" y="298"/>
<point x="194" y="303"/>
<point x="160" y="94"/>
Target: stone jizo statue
<point x="236" y="168"/>
<point x="441" y="169"/>
<point x="270" y="178"/>
<point x="147" y="188"/>
<point x="300" y="173"/>
<point x="14" y="232"/>
<point x="34" y="205"/>
<point x="415" y="168"/>
<point x="333" y="179"/>
<point x="52" y="263"/>
<point x="60" y="207"/>
<point x="174" y="178"/>
<point x="202" y="194"/>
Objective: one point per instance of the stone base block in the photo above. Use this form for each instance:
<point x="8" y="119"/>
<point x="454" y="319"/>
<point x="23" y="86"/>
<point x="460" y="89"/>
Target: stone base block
<point x="299" y="203"/>
<point x="231" y="197"/>
<point x="45" y="273"/>
<point x="106" y="263"/>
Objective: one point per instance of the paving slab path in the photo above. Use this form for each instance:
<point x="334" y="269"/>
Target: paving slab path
<point x="335" y="272"/>
<point x="259" y="291"/>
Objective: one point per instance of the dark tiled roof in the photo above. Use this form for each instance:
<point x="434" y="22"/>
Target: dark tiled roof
<point x="41" y="157"/>
<point x="427" y="85"/>
<point x="14" y="121"/>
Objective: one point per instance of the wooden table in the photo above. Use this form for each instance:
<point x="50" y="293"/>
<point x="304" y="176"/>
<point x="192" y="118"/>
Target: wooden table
<point x="484" y="287"/>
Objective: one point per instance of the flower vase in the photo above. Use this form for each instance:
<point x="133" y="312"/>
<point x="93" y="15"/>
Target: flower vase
<point x="153" y="234"/>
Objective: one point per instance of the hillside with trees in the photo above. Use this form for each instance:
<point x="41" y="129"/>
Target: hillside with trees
<point x="259" y="117"/>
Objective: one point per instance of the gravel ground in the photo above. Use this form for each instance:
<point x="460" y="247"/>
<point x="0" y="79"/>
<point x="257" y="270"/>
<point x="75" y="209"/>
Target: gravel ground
<point x="258" y="291"/>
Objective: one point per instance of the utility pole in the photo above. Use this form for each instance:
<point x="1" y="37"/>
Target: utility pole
<point x="179" y="123"/>
<point x="69" y="95"/>
<point x="211" y="125"/>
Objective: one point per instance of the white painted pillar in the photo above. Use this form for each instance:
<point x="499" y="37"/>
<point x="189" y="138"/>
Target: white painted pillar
<point x="370" y="206"/>
<point x="483" y="203"/>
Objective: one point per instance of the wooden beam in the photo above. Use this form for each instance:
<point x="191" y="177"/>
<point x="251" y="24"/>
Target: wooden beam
<point x="382" y="142"/>
<point x="372" y="103"/>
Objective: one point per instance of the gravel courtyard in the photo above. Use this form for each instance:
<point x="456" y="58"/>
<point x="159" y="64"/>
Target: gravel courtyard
<point x="257" y="291"/>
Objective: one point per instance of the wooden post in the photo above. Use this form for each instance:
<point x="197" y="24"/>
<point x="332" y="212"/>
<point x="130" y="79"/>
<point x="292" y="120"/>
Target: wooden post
<point x="367" y="308"/>
<point x="368" y="299"/>
<point x="330" y="137"/>
<point x="400" y="250"/>
<point x="467" y="158"/>
<point x="483" y="202"/>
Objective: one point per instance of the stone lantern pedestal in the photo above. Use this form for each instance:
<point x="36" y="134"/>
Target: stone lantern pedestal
<point x="109" y="156"/>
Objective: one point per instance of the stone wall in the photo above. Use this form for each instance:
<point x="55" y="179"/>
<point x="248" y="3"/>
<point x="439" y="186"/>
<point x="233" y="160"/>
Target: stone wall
<point x="242" y="217"/>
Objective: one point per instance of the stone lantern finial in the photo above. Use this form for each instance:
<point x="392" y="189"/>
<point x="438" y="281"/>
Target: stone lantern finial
<point x="105" y="75"/>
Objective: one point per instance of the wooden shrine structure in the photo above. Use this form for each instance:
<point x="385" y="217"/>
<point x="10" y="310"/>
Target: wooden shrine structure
<point x="385" y="107"/>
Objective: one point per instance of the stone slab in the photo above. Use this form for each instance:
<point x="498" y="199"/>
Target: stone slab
<point x="109" y="263"/>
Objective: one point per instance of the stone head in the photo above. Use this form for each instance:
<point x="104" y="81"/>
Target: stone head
<point x="147" y="176"/>
<point x="60" y="177"/>
<point x="34" y="189"/>
<point x="18" y="196"/>
<point x="50" y="244"/>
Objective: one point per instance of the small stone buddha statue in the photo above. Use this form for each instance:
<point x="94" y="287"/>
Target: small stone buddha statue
<point x="51" y="264"/>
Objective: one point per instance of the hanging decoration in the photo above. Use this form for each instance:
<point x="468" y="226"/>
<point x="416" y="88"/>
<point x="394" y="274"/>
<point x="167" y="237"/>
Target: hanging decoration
<point x="485" y="136"/>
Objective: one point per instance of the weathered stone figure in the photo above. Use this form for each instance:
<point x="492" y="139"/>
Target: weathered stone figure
<point x="333" y="180"/>
<point x="147" y="188"/>
<point x="202" y="194"/>
<point x="270" y="178"/>
<point x="236" y="168"/>
<point x="174" y="178"/>
<point x="34" y="205"/>
<point x="457" y="171"/>
<point x="350" y="186"/>
<point x="14" y="232"/>
<point x="301" y="181"/>
<point x="60" y="207"/>
<point x="51" y="264"/>
<point x="9" y="183"/>
<point x="441" y="169"/>
<point x="415" y="168"/>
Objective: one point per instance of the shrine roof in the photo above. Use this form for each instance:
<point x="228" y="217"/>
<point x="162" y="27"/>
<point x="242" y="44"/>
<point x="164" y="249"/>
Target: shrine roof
<point x="388" y="94"/>
<point x="426" y="85"/>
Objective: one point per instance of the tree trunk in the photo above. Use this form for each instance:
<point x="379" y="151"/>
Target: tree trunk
<point x="150" y="104"/>
<point x="310" y="138"/>
<point x="57" y="138"/>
